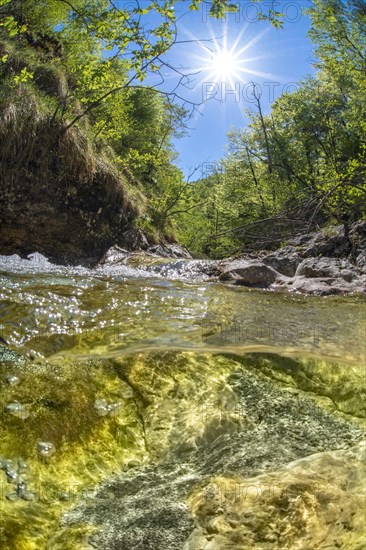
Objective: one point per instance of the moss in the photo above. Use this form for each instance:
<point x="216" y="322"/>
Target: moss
<point x="89" y="447"/>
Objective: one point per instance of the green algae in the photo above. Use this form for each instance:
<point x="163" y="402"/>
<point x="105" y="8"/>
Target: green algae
<point x="216" y="378"/>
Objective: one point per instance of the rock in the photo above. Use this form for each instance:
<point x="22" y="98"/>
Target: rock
<point x="332" y="242"/>
<point x="191" y="270"/>
<point x="114" y="409"/>
<point x="316" y="502"/>
<point x="358" y="235"/>
<point x="18" y="409"/>
<point x="12" y="380"/>
<point x="170" y="251"/>
<point x="101" y="407"/>
<point x="361" y="261"/>
<point x="11" y="475"/>
<point x="125" y="256"/>
<point x="331" y="261"/>
<point x="285" y="260"/>
<point x="249" y="273"/>
<point x="325" y="267"/>
<point x="45" y="449"/>
<point x="149" y="509"/>
<point x="115" y="255"/>
<point x="134" y="239"/>
<point x="321" y="286"/>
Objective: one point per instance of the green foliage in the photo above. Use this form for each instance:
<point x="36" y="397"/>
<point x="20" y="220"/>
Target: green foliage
<point x="85" y="61"/>
<point x="306" y="160"/>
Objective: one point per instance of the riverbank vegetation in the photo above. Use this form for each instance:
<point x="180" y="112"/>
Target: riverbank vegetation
<point x="303" y="165"/>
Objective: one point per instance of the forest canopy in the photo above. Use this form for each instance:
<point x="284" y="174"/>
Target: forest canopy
<point x="301" y="166"/>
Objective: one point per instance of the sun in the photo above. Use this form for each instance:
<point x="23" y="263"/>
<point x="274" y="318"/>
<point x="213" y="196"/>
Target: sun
<point x="224" y="65"/>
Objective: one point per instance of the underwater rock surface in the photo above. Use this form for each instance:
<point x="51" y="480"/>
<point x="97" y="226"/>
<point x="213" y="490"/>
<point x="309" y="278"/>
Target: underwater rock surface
<point x="240" y="427"/>
<point x="142" y="412"/>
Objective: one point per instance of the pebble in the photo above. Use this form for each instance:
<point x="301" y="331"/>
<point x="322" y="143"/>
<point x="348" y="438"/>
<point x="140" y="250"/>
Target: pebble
<point x="21" y="488"/>
<point x="18" y="410"/>
<point x="6" y="464"/>
<point x="101" y="407"/>
<point x="11" y="475"/>
<point x="12" y="380"/>
<point x="114" y="408"/>
<point x="22" y="465"/>
<point x="45" y="449"/>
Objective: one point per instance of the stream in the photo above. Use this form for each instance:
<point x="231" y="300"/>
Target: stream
<point x="146" y="408"/>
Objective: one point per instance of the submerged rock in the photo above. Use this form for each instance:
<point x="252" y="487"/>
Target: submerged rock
<point x="315" y="502"/>
<point x="12" y="380"/>
<point x="103" y="408"/>
<point x="45" y="449"/>
<point x="18" y="409"/>
<point x="187" y="499"/>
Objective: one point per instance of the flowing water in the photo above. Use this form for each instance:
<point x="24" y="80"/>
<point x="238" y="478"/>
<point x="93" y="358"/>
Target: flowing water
<point x="140" y="402"/>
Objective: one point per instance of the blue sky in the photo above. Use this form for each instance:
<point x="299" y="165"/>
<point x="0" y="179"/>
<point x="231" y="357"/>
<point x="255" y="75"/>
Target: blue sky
<point x="274" y="59"/>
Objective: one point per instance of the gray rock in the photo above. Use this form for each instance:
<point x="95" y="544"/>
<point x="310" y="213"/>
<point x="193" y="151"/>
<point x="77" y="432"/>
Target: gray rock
<point x="170" y="251"/>
<point x="321" y="286"/>
<point x="191" y="270"/>
<point x="331" y="243"/>
<point x="285" y="260"/>
<point x="361" y="261"/>
<point x="115" y="255"/>
<point x="45" y="449"/>
<point x="249" y="273"/>
<point x="325" y="267"/>
<point x="134" y="239"/>
<point x="12" y="380"/>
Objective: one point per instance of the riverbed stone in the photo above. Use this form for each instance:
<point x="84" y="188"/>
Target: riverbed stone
<point x="177" y="503"/>
<point x="249" y="273"/>
<point x="284" y="260"/>
<point x="325" y="267"/>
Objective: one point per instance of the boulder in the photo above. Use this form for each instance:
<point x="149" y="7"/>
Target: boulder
<point x="285" y="260"/>
<point x="249" y="273"/>
<point x="334" y="243"/>
<point x="170" y="250"/>
<point x="326" y="267"/>
<point x="115" y="256"/>
<point x="325" y="286"/>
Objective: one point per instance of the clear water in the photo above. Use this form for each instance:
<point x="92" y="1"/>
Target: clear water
<point x="118" y="365"/>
